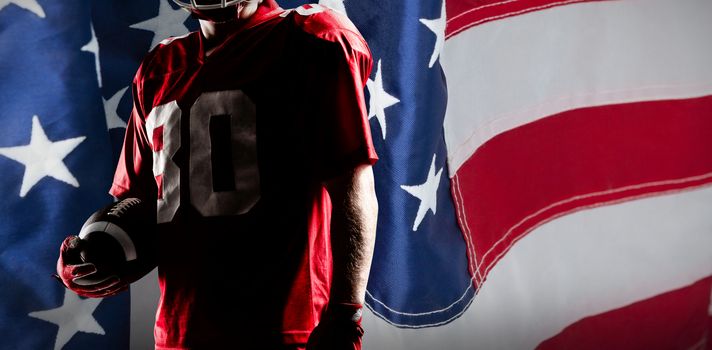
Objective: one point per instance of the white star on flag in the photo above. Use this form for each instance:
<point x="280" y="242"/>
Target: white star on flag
<point x="337" y="5"/>
<point x="113" y="121"/>
<point x="30" y="5"/>
<point x="75" y="315"/>
<point x="93" y="47"/>
<point x="437" y="26"/>
<point x="42" y="157"/>
<point x="380" y="99"/>
<point x="427" y="193"/>
<point x="168" y="22"/>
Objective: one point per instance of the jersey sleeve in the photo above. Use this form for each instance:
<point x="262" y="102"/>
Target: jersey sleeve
<point x="134" y="172"/>
<point x="339" y="131"/>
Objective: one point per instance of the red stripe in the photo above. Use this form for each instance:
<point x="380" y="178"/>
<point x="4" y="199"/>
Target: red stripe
<point x="673" y="320"/>
<point x="577" y="159"/>
<point x="464" y="14"/>
<point x="157" y="138"/>
<point x="708" y="340"/>
<point x="159" y="185"/>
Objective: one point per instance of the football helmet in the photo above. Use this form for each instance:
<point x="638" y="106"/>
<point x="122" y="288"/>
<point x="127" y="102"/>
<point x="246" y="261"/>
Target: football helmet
<point x="208" y="4"/>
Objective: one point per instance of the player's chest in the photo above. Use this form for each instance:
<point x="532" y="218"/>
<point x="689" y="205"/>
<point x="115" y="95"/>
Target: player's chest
<point x="221" y="135"/>
<point x="219" y="95"/>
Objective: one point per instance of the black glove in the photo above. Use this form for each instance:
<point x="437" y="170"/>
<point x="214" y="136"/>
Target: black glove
<point x="339" y="328"/>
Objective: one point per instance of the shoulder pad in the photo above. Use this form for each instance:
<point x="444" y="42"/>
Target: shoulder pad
<point x="170" y="54"/>
<point x="323" y="22"/>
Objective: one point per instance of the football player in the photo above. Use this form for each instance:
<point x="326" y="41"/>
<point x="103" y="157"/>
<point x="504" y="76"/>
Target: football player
<point x="251" y="138"/>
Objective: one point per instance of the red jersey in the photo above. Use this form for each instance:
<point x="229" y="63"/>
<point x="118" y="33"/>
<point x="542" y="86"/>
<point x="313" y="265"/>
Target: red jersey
<point x="234" y="147"/>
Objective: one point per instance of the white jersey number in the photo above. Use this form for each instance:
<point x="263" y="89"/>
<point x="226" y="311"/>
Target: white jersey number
<point x="163" y="131"/>
<point x="224" y="175"/>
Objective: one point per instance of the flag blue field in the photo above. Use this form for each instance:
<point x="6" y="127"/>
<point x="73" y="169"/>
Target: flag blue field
<point x="55" y="164"/>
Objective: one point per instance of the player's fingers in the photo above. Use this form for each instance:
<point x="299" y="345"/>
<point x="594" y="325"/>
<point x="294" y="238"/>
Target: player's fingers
<point x="105" y="292"/>
<point x="90" y="284"/>
<point x="102" y="293"/>
<point x="80" y="270"/>
<point x="67" y="273"/>
<point x="70" y="242"/>
<point x="111" y="291"/>
<point x="70" y="248"/>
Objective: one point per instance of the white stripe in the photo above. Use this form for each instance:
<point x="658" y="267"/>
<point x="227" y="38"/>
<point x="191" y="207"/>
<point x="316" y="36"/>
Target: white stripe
<point x="479" y="271"/>
<point x="510" y="72"/>
<point x="580" y="197"/>
<point x="121" y="237"/>
<point x="145" y="295"/>
<point x="579" y="265"/>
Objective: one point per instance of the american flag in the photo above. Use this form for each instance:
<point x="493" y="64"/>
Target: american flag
<point x="543" y="179"/>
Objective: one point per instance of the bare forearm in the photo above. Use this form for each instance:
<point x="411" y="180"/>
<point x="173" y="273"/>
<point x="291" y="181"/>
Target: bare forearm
<point x="353" y="234"/>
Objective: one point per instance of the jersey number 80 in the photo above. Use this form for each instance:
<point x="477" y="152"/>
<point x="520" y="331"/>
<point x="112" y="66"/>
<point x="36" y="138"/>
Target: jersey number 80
<point x="223" y="171"/>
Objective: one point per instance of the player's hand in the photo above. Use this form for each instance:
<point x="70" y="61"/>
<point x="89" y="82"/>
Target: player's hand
<point x="83" y="277"/>
<point x="339" y="329"/>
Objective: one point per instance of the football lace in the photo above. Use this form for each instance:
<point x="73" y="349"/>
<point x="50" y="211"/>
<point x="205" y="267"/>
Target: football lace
<point x="120" y="208"/>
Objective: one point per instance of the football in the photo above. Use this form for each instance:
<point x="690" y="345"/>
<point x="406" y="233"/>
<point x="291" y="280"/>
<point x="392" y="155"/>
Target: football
<point x="116" y="238"/>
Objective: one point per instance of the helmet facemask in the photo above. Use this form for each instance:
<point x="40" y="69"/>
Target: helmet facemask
<point x="217" y="11"/>
<point x="207" y="4"/>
